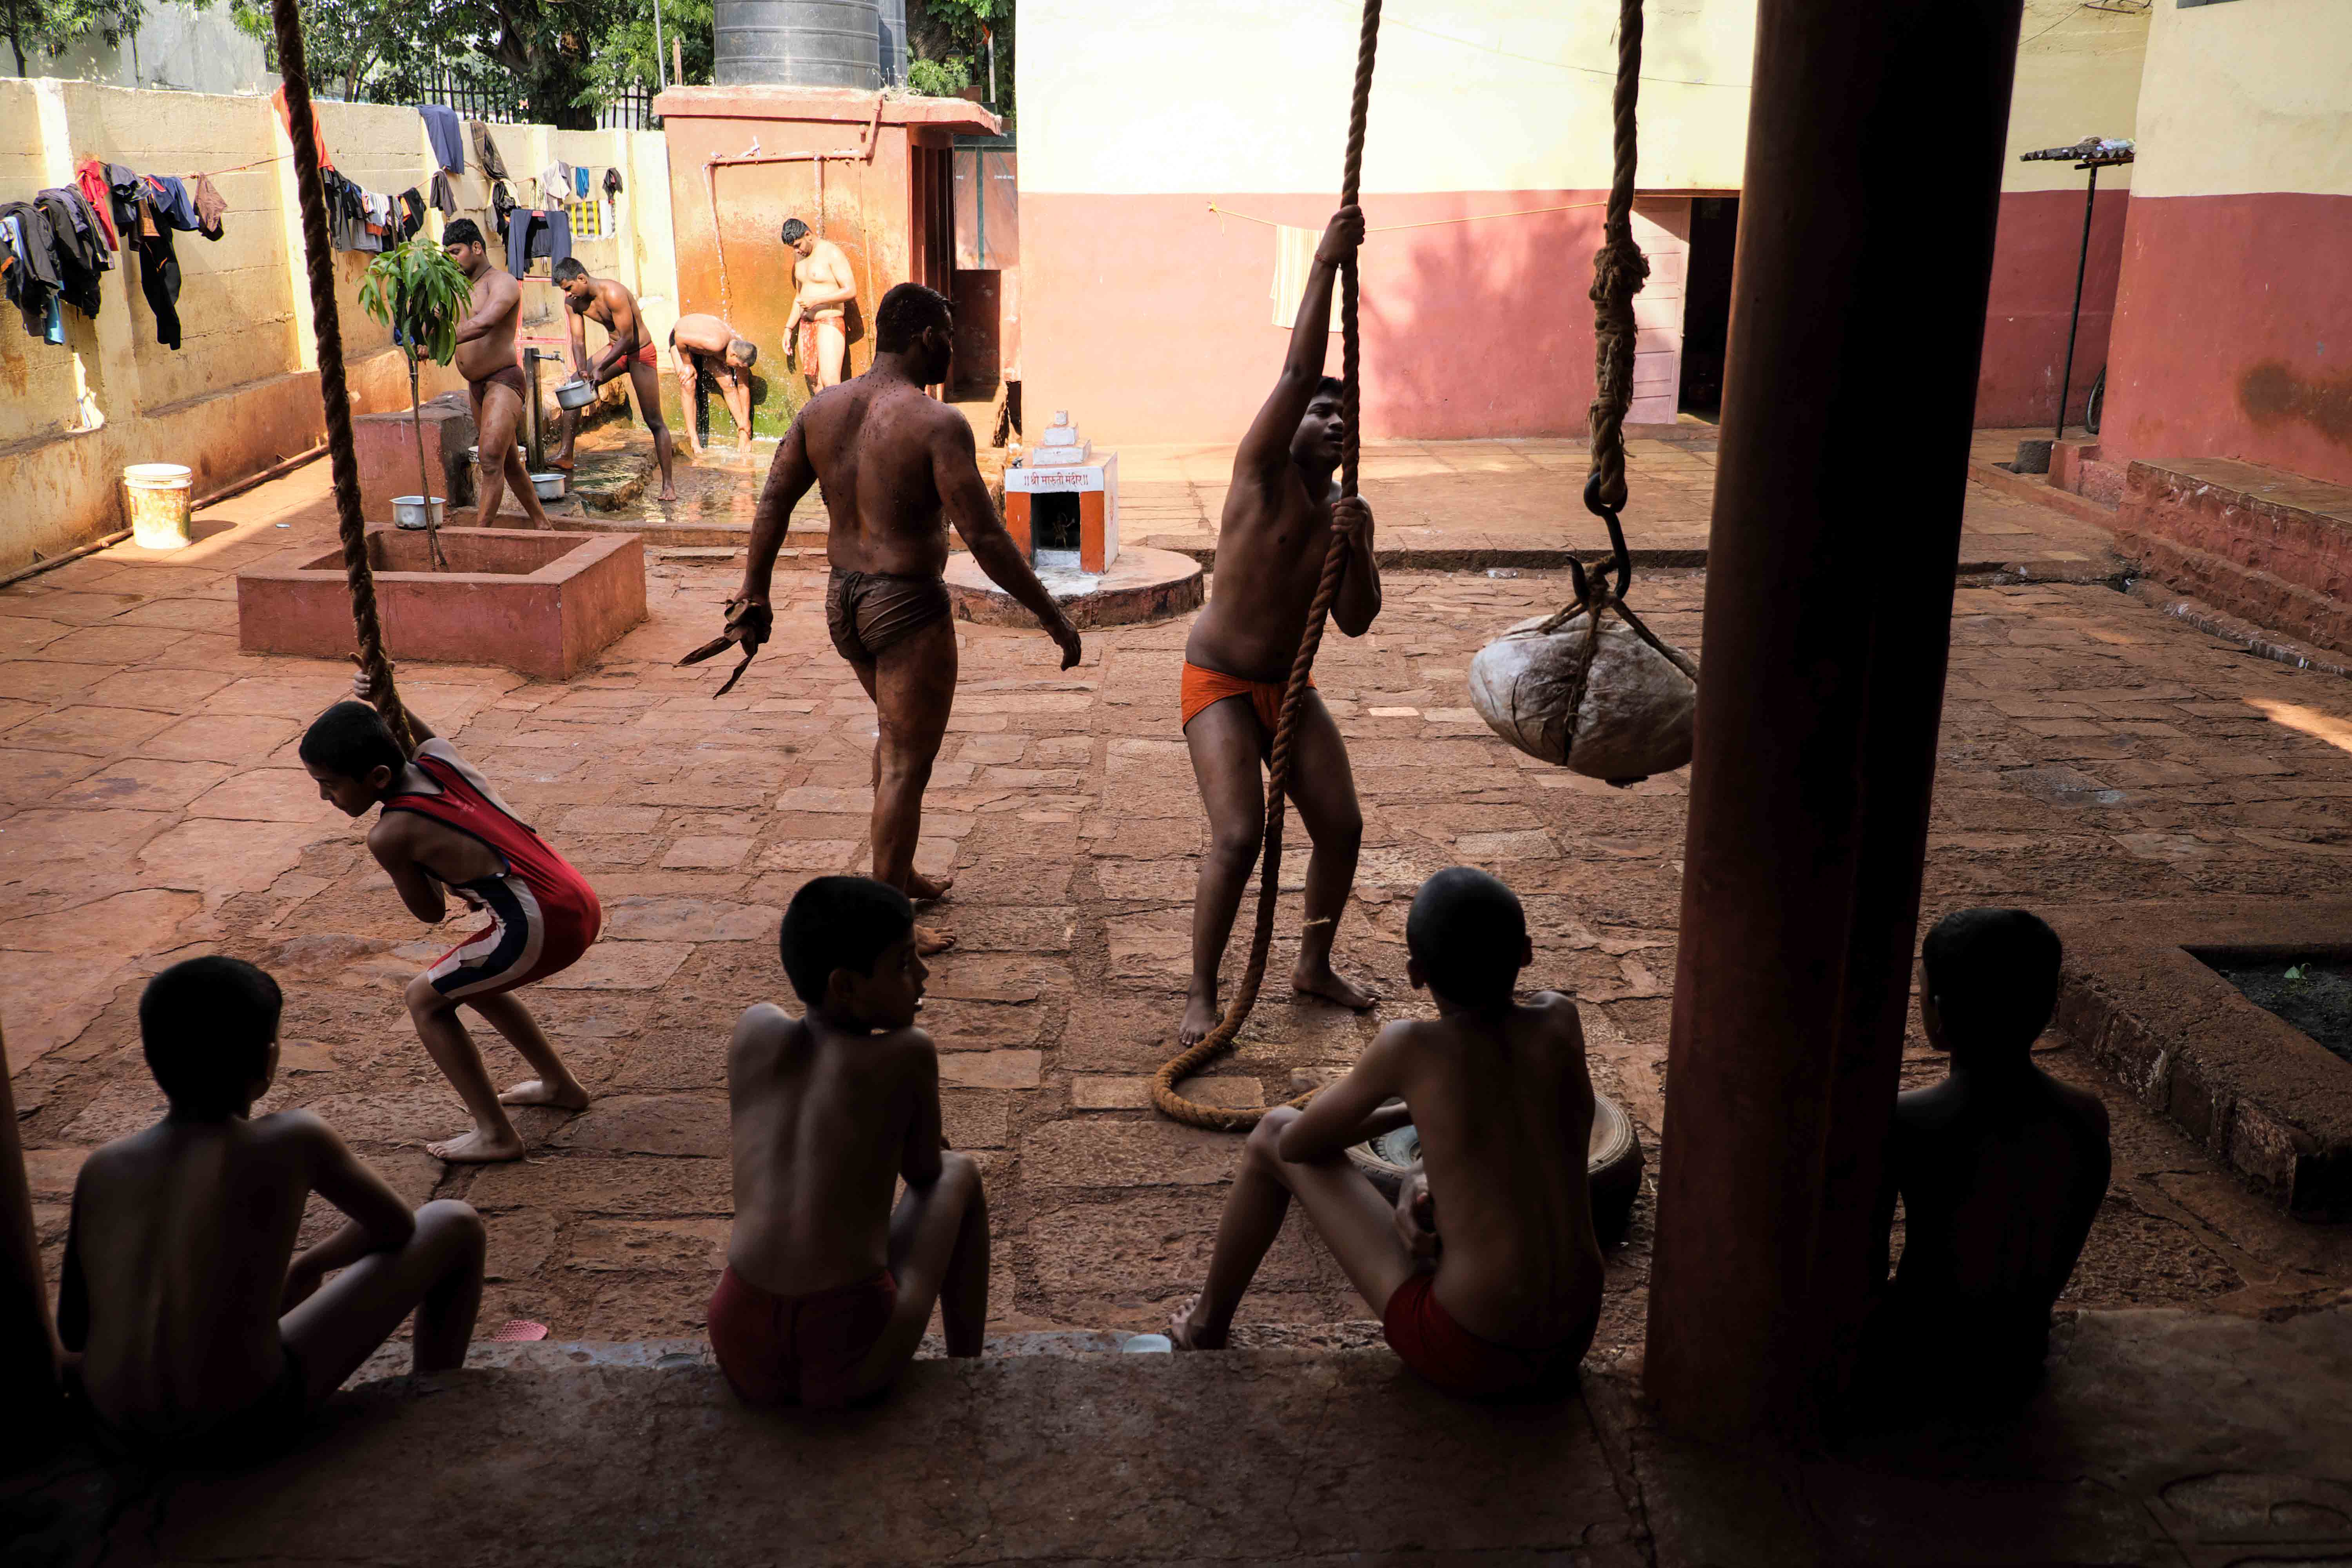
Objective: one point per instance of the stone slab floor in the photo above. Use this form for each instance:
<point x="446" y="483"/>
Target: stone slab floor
<point x="151" y="807"/>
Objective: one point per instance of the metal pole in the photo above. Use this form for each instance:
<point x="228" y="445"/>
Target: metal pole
<point x="661" y="73"/>
<point x="2082" y="264"/>
<point x="1826" y="638"/>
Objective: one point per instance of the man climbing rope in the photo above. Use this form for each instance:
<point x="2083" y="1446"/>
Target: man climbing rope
<point x="895" y="466"/>
<point x="1280" y="514"/>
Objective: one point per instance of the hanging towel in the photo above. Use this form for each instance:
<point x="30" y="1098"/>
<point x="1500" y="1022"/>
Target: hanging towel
<point x="318" y="135"/>
<point x="91" y="178"/>
<point x="1294" y="259"/>
<point x="486" y="152"/>
<point x="448" y="138"/>
<point x="580" y="184"/>
<point x="554" y="184"/>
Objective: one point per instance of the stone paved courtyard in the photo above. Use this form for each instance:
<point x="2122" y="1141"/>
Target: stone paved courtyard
<point x="151" y="807"/>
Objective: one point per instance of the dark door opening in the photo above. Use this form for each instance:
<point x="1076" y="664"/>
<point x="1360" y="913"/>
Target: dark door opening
<point x="1706" y="304"/>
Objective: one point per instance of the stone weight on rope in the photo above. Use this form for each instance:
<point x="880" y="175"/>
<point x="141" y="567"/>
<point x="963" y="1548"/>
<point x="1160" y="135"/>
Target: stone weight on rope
<point x="1632" y="718"/>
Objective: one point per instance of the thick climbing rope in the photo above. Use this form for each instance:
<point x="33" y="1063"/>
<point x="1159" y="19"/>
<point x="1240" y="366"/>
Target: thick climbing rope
<point x="1618" y="270"/>
<point x="343" y="456"/>
<point x="1184" y="1064"/>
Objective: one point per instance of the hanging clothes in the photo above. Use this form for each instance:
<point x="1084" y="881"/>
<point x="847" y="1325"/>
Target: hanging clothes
<point x="443" y="198"/>
<point x="448" y="138"/>
<point x="158" y="268"/>
<point x="486" y="152"/>
<point x="534" y="232"/>
<point x="346" y="214"/>
<point x="411" y="213"/>
<point x="30" y="265"/>
<point x="76" y="254"/>
<point x="1294" y="259"/>
<point x="318" y="132"/>
<point x="502" y="207"/>
<point x="91" y="180"/>
<point x="580" y="184"/>
<point x="174" y="203"/>
<point x="611" y="184"/>
<point x="210" y="207"/>
<point x="122" y="188"/>
<point x="554" y="184"/>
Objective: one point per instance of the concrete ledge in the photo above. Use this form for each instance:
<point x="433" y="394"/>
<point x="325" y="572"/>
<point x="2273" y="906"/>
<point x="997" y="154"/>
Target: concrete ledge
<point x="2251" y="1089"/>
<point x="543" y="603"/>
<point x="2273" y="547"/>
<point x="1142" y="584"/>
<point x="2032" y="488"/>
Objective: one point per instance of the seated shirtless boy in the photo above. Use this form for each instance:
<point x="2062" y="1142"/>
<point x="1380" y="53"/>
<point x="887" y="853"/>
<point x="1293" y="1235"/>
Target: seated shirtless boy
<point x="2000" y="1169"/>
<point x="827" y="1287"/>
<point x="1498" y="1093"/>
<point x="201" y="1334"/>
<point x="443" y="827"/>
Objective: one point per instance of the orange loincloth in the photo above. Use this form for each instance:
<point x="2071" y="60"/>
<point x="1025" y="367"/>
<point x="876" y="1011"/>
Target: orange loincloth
<point x="1203" y="686"/>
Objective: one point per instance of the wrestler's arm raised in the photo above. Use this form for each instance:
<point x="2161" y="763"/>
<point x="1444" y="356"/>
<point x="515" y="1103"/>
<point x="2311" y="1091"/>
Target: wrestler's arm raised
<point x="955" y="470"/>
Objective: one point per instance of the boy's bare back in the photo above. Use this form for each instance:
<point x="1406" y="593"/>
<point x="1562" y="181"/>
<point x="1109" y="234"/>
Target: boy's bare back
<point x="1504" y="1109"/>
<point x="824" y="1123"/>
<point x="184" y="1233"/>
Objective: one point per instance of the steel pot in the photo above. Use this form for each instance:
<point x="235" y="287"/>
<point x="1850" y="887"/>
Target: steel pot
<point x="408" y="512"/>
<point x="575" y="394"/>
<point x="549" y="486"/>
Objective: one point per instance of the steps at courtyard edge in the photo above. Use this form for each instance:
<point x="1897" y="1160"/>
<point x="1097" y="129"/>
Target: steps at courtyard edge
<point x="2160" y="1437"/>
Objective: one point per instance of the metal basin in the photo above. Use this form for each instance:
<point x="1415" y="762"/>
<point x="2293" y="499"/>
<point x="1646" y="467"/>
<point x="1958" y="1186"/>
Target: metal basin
<point x="1612" y="1163"/>
<point x="548" y="485"/>
<point x="575" y="394"/>
<point x="408" y="512"/>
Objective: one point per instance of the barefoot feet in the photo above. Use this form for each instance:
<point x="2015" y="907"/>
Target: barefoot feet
<point x="931" y="942"/>
<point x="1185" y="1332"/>
<point x="566" y="1095"/>
<point x="668" y="493"/>
<point x="478" y="1148"/>
<point x="1322" y="979"/>
<point x="924" y="890"/>
<point x="1200" y="1015"/>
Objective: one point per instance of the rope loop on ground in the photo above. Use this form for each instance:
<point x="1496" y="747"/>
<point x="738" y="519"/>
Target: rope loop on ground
<point x="341" y="455"/>
<point x="1184" y="1064"/>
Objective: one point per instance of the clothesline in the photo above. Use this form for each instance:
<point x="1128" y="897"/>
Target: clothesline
<point x="1426" y="223"/>
<point x="240" y="168"/>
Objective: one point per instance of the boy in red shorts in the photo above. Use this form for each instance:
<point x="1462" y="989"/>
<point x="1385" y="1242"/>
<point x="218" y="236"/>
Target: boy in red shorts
<point x="443" y="827"/>
<point x="1485" y="1272"/>
<point x="828" y="1287"/>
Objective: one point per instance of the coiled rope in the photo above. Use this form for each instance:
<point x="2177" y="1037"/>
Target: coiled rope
<point x="341" y="455"/>
<point x="1184" y="1064"/>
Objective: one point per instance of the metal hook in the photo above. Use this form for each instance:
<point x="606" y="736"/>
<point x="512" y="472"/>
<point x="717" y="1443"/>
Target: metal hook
<point x="1607" y="514"/>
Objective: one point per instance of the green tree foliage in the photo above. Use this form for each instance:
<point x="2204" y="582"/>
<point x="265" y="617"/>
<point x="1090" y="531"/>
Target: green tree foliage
<point x="626" y="57"/>
<point x="947" y="47"/>
<point x="52" y="27"/>
<point x="418" y="290"/>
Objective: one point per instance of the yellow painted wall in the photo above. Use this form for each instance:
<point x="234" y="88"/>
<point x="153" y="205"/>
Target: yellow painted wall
<point x="2249" y="97"/>
<point x="1158" y="96"/>
<point x="242" y="391"/>
<point x="2078" y="72"/>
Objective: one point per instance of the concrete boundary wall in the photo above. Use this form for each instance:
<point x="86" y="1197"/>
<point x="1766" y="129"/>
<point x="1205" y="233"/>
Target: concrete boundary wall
<point x="242" y="391"/>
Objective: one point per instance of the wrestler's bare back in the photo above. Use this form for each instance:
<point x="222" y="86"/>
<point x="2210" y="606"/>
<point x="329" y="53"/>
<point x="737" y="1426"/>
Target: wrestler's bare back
<point x="181" y="1237"/>
<point x="497" y="306"/>
<point x="880" y="449"/>
<point x="824" y="1122"/>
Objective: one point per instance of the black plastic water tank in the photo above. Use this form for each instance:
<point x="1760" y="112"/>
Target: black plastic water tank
<point x="797" y="43"/>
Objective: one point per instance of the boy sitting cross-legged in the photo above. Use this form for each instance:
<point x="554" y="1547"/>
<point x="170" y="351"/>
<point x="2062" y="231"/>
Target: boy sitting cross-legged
<point x="828" y="1286"/>
<point x="1485" y="1272"/>
<point x="443" y="827"/>
<point x="200" y="1332"/>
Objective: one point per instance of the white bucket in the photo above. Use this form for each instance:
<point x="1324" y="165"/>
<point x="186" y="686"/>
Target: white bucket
<point x="158" y="495"/>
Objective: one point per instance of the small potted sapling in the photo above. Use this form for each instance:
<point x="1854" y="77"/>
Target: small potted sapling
<point x="422" y="295"/>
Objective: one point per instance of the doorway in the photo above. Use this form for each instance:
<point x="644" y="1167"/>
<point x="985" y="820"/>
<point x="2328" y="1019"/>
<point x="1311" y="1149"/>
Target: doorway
<point x="1706" y="304"/>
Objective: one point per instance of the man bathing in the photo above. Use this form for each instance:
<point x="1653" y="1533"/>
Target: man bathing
<point x="824" y="287"/>
<point x="828" y="1286"/>
<point x="628" y="347"/>
<point x="707" y="346"/>
<point x="893" y="463"/>
<point x="443" y="827"/>
<point x="494" y="381"/>
<point x="1280" y="516"/>
<point x="1486" y="1272"/>
<point x="199" y="1333"/>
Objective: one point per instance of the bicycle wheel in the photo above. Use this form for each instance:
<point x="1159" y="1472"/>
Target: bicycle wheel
<point x="2096" y="404"/>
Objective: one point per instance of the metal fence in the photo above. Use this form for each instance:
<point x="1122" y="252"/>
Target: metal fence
<point x="497" y="102"/>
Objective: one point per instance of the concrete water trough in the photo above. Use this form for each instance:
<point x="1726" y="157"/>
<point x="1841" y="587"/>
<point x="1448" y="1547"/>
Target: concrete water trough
<point x="2165" y="997"/>
<point x="543" y="603"/>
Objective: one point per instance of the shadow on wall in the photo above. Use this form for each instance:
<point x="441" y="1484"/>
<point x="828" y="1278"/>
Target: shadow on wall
<point x="1478" y="327"/>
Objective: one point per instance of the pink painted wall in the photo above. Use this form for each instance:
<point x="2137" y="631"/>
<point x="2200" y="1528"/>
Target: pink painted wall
<point x="1149" y="319"/>
<point x="2232" y="333"/>
<point x="2033" y="261"/>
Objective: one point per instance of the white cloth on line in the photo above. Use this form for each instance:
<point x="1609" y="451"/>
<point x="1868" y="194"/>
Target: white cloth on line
<point x="1294" y="259"/>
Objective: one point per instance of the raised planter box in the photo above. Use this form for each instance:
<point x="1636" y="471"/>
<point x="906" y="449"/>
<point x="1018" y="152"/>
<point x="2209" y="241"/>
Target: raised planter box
<point x="2255" y="1093"/>
<point x="542" y="604"/>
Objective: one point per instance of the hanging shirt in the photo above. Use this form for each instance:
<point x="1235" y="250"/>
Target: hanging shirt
<point x="554" y="184"/>
<point x="174" y="203"/>
<point x="448" y="138"/>
<point x="486" y="152"/>
<point x="318" y="135"/>
<point x="533" y="232"/>
<point x="91" y="180"/>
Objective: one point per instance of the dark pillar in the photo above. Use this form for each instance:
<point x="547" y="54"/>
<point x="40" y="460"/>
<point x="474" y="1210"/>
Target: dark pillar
<point x="29" y="1346"/>
<point x="1874" y="143"/>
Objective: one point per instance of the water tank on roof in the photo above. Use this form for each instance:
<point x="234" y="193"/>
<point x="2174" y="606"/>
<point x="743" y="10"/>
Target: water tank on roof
<point x="797" y="43"/>
<point x="894" y="42"/>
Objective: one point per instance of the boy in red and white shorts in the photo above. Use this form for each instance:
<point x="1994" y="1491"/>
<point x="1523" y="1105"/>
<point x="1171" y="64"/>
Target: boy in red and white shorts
<point x="443" y="827"/>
